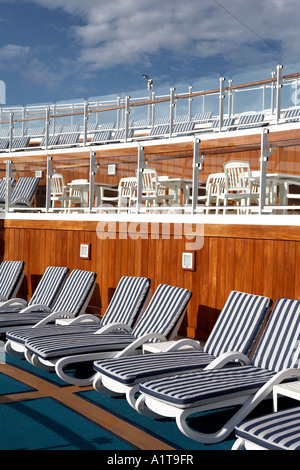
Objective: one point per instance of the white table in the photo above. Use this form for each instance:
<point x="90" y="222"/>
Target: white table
<point x="176" y="186"/>
<point x="99" y="189"/>
<point x="163" y="346"/>
<point x="290" y="389"/>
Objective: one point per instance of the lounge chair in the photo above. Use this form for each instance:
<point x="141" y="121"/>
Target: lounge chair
<point x="159" y="322"/>
<point x="236" y="329"/>
<point x="11" y="277"/>
<point x="71" y="302"/>
<point x="125" y="308"/>
<point x="18" y="311"/>
<point x="275" y="431"/>
<point x="24" y="192"/>
<point x="274" y="361"/>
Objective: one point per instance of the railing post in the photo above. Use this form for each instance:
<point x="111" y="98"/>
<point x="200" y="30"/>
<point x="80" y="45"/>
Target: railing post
<point x="48" y="183"/>
<point x="118" y="112"/>
<point x="11" y="130"/>
<point x="264" y="156"/>
<point x="153" y="109"/>
<point x="278" y="92"/>
<point x="172" y="107"/>
<point x="47" y="125"/>
<point x="127" y="113"/>
<point x="8" y="175"/>
<point x="230" y="94"/>
<point x="221" y="103"/>
<point x="85" y="122"/>
<point x="197" y="162"/>
<point x="140" y="177"/>
<point x="190" y="103"/>
<point x="92" y="180"/>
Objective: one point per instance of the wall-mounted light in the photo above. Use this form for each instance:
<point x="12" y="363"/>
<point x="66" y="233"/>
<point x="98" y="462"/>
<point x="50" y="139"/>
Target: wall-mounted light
<point x="188" y="261"/>
<point x="85" y="250"/>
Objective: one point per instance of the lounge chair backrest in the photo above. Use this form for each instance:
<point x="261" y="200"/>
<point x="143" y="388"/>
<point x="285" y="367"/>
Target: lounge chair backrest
<point x="75" y="292"/>
<point x="101" y="136"/>
<point x="127" y="301"/>
<point x="25" y="189"/>
<point x="278" y="348"/>
<point x="238" y="324"/>
<point x="164" y="312"/>
<point x="49" y="286"/>
<point x="10" y="274"/>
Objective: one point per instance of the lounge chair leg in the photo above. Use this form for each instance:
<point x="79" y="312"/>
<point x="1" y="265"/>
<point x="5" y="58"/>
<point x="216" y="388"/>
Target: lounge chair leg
<point x="35" y="361"/>
<point x="9" y="350"/>
<point x="141" y="408"/>
<point x="59" y="369"/>
<point x="99" y="387"/>
<point x="239" y="444"/>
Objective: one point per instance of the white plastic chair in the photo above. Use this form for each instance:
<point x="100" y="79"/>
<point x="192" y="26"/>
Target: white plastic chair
<point x="239" y="184"/>
<point x="127" y="191"/>
<point x="152" y="190"/>
<point x="60" y="192"/>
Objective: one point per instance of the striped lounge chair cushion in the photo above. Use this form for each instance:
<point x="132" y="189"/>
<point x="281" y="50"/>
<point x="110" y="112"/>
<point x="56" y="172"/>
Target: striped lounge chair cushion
<point x="275" y="352"/>
<point x="127" y="301"/>
<point x="124" y="307"/>
<point x="24" y="190"/>
<point x="276" y="431"/>
<point x="129" y="370"/>
<point x="190" y="389"/>
<point x="162" y="315"/>
<point x="238" y="323"/>
<point x="10" y="274"/>
<point x="75" y="292"/>
<point x="235" y="330"/>
<point x="72" y="299"/>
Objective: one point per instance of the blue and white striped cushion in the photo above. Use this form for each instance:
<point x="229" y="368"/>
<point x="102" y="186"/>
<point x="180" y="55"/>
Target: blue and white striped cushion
<point x="129" y="370"/>
<point x="276" y="351"/>
<point x="24" y="190"/>
<point x="127" y="301"/>
<point x="101" y="136"/>
<point x="235" y="330"/>
<point x="164" y="310"/>
<point x="278" y="345"/>
<point x="238" y="323"/>
<point x="10" y="273"/>
<point x="49" y="286"/>
<point x="251" y="118"/>
<point x="68" y="139"/>
<point x="276" y="431"/>
<point x="161" y="316"/>
<point x="124" y="307"/>
<point x="75" y="292"/>
<point x="189" y="389"/>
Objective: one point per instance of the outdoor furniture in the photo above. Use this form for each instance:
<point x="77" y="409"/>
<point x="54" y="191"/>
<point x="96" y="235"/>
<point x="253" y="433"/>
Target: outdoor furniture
<point x="274" y="362"/>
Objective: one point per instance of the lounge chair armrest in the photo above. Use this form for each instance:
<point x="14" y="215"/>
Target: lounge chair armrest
<point x="14" y="301"/>
<point x="139" y="342"/>
<point x="85" y="317"/>
<point x="183" y="342"/>
<point x="52" y="317"/>
<point x="225" y="358"/>
<point x="113" y="327"/>
<point x="34" y="308"/>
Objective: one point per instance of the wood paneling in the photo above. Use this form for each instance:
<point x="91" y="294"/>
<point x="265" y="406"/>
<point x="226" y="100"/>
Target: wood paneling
<point x="257" y="259"/>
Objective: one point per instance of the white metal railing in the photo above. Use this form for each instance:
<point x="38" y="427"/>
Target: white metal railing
<point x="126" y="112"/>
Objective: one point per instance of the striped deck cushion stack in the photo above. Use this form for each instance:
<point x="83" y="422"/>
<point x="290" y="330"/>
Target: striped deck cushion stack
<point x="276" y="351"/>
<point x="276" y="431"/>
<point x="10" y="274"/>
<point x="235" y="330"/>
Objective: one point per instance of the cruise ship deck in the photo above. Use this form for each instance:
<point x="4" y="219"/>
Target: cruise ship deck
<point x="140" y="187"/>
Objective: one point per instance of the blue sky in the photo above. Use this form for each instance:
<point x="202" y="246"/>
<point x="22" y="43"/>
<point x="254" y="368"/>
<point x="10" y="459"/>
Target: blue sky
<point x="52" y="50"/>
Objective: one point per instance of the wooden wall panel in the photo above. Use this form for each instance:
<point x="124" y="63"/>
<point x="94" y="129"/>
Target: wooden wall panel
<point x="257" y="260"/>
